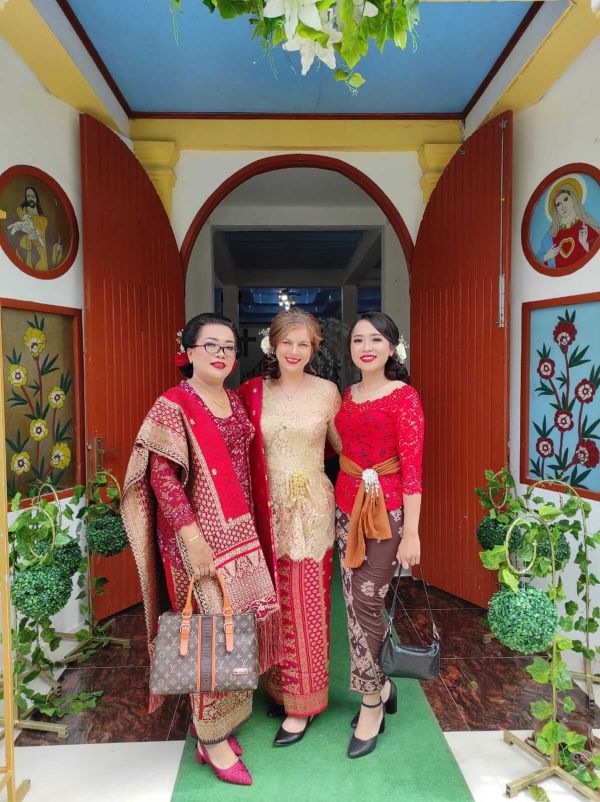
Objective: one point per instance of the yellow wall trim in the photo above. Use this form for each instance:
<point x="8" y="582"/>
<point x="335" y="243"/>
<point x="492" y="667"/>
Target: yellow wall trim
<point x="433" y="160"/>
<point x="573" y="32"/>
<point x="298" y="135"/>
<point x="31" y="37"/>
<point x="158" y="159"/>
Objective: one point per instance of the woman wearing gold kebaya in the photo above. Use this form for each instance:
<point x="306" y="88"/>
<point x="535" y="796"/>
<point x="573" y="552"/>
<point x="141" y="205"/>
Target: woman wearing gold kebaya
<point x="293" y="413"/>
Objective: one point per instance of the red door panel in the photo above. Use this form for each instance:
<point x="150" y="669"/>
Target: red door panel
<point x="133" y="305"/>
<point x="459" y="351"/>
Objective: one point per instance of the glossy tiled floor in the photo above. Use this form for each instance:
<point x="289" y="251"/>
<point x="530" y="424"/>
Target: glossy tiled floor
<point x="482" y="685"/>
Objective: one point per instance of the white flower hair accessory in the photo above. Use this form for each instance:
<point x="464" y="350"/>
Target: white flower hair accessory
<point x="179" y="342"/>
<point x="265" y="343"/>
<point x="401" y="349"/>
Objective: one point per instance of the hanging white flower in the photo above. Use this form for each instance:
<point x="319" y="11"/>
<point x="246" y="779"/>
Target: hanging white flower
<point x="265" y="343"/>
<point x="311" y="48"/>
<point x="401" y="349"/>
<point x="294" y="11"/>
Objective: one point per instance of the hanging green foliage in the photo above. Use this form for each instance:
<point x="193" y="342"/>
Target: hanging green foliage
<point x="338" y="33"/>
<point x="106" y="535"/>
<point x="525" y="621"/>
<point x="542" y="618"/>
<point x="492" y="532"/>
<point x="44" y="556"/>
<point x="67" y="556"/>
<point x="104" y="528"/>
<point x="39" y="593"/>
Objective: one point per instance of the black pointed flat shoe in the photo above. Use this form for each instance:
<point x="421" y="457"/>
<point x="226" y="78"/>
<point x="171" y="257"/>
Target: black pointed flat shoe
<point x="275" y="710"/>
<point x="359" y="748"/>
<point x="285" y="738"/>
<point x="391" y="705"/>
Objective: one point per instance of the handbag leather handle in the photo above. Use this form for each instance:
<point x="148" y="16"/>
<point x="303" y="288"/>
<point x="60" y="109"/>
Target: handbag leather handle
<point x="186" y="618"/>
<point x="396" y="598"/>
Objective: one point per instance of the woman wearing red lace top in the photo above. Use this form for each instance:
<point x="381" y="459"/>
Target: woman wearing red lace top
<point x="378" y="498"/>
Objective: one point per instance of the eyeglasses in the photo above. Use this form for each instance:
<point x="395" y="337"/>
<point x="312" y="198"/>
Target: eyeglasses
<point x="214" y="348"/>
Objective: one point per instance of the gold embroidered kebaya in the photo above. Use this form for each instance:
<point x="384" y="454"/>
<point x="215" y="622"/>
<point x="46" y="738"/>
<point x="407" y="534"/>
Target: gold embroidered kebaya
<point x="301" y="494"/>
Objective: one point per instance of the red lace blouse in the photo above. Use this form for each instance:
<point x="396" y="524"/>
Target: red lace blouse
<point x="173" y="508"/>
<point x="374" y="431"/>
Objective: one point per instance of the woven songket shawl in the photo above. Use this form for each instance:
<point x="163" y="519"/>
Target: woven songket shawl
<point x="184" y="432"/>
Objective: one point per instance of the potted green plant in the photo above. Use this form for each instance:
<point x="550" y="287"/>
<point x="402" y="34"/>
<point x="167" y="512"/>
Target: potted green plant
<point x="540" y="619"/>
<point x="101" y="522"/>
<point x="44" y="557"/>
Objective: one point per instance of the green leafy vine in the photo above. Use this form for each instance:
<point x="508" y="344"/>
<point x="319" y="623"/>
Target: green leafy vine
<point x="337" y="33"/>
<point x="523" y="535"/>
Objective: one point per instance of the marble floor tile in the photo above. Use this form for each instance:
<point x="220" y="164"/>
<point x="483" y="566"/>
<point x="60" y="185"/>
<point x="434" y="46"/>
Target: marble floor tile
<point x="462" y="632"/>
<point x="114" y="654"/>
<point x="120" y="715"/>
<point x="495" y="693"/>
<point x="413" y="596"/>
<point x="445" y="709"/>
<point x="181" y="719"/>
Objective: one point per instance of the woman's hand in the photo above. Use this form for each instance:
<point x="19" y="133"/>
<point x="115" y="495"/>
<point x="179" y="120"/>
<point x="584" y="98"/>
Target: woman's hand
<point x="200" y="554"/>
<point x="409" y="550"/>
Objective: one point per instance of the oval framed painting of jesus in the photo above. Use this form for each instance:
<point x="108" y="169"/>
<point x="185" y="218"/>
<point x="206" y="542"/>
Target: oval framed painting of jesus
<point x="38" y="227"/>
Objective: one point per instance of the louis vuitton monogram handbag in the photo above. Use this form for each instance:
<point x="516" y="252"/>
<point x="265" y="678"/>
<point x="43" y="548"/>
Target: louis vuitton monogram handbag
<point x="204" y="653"/>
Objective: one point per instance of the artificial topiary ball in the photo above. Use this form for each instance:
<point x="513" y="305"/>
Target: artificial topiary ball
<point x="562" y="550"/>
<point x="41" y="592"/>
<point x="525" y="621"/>
<point x="492" y="532"/>
<point x="67" y="556"/>
<point x="106" y="535"/>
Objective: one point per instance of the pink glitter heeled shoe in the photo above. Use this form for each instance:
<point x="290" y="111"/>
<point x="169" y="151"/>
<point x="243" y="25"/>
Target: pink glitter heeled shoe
<point x="233" y="742"/>
<point x="237" y="774"/>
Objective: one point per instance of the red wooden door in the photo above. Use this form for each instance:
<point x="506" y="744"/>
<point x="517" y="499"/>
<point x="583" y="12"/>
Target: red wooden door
<point x="134" y="304"/>
<point x="459" y="351"/>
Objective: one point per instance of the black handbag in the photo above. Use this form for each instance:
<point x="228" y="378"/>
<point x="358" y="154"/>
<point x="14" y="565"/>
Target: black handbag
<point x="415" y="662"/>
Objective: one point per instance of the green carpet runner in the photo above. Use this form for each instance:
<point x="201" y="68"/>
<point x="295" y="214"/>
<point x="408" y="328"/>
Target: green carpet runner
<point x="412" y="761"/>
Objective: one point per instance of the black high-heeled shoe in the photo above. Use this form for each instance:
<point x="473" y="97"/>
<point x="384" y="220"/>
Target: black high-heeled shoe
<point x="391" y="704"/>
<point x="286" y="738"/>
<point x="359" y="748"/>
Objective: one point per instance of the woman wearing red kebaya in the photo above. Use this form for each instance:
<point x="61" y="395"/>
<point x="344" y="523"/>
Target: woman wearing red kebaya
<point x="378" y="498"/>
<point x="188" y="511"/>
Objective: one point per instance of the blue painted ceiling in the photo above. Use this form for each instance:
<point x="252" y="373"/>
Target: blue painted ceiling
<point x="216" y="67"/>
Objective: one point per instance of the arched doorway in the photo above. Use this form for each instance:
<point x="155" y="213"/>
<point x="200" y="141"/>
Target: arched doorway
<point x="315" y="224"/>
<point x="271" y="163"/>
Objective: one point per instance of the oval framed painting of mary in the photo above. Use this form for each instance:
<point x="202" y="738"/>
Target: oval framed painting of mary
<point x="561" y="225"/>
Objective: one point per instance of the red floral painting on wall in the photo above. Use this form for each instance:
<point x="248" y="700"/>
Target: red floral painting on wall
<point x="560" y="421"/>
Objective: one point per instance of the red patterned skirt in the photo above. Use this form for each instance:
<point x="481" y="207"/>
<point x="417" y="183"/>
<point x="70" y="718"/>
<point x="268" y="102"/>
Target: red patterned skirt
<point x="301" y="681"/>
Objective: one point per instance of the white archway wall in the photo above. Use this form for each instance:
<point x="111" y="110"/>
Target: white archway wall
<point x="562" y="128"/>
<point x="200" y="173"/>
<point x="397" y="174"/>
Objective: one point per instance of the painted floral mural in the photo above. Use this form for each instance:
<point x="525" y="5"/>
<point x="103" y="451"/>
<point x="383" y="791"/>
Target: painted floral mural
<point x="564" y="400"/>
<point x="38" y="379"/>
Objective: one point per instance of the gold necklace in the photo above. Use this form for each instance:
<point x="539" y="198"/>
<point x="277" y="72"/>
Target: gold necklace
<point x="220" y="404"/>
<point x="290" y="397"/>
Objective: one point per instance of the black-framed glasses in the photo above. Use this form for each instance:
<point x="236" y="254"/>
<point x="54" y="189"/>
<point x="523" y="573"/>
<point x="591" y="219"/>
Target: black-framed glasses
<point x="214" y="348"/>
